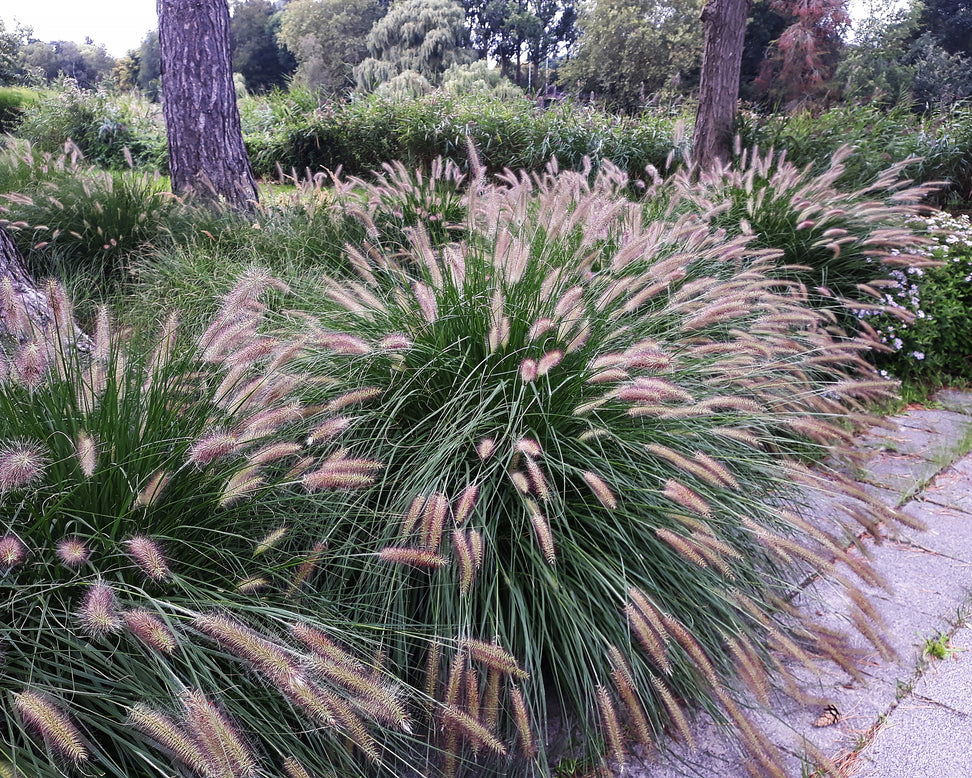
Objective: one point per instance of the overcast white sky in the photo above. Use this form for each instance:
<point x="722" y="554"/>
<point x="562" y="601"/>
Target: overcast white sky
<point x="121" y="24"/>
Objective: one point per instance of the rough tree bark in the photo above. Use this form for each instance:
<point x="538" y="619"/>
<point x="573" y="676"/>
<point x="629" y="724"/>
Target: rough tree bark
<point x="31" y="300"/>
<point x="725" y="30"/>
<point x="206" y="153"/>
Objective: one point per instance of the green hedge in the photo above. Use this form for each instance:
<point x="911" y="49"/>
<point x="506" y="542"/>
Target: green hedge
<point x="362" y="134"/>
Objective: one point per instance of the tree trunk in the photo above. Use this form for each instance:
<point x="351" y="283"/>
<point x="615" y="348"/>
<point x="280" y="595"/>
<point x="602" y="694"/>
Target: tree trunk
<point x="29" y="312"/>
<point x="725" y="30"/>
<point x="207" y="157"/>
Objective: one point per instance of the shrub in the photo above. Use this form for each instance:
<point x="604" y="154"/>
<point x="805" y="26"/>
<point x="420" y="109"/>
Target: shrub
<point x="932" y="341"/>
<point x="13" y="100"/>
<point x="110" y="131"/>
<point x="154" y="575"/>
<point x="363" y="134"/>
<point x="590" y="425"/>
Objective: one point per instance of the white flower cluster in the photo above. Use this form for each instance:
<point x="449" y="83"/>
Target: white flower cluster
<point x="904" y="293"/>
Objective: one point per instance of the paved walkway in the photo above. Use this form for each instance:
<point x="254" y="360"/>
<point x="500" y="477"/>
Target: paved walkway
<point x="911" y="717"/>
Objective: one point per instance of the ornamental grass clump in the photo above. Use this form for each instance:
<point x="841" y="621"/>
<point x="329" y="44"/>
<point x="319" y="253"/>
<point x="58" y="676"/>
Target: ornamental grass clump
<point x="594" y="432"/>
<point x="154" y="572"/>
<point x="842" y="245"/>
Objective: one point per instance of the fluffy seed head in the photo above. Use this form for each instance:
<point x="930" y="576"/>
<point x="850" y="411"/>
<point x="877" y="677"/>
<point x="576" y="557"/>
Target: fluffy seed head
<point x="486" y="448"/>
<point x="494" y="656"/>
<point x="539" y="327"/>
<point x="213" y="446"/>
<point x="415" y="557"/>
<point x="86" y="451"/>
<point x="172" y="737"/>
<point x="149" y="557"/>
<point x="240" y="485"/>
<point x="470" y="728"/>
<point x="625" y="684"/>
<point x="73" y="552"/>
<point x="263" y="655"/>
<point x="295" y="769"/>
<point x="522" y="718"/>
<point x="549" y="361"/>
<point x="681" y="494"/>
<point x="528" y="370"/>
<point x="99" y="610"/>
<point x="541" y="528"/>
<point x="466" y="503"/>
<point x="433" y="520"/>
<point x="600" y="490"/>
<point x="21" y="464"/>
<point x="31" y="365"/>
<point x="270" y="541"/>
<point x="150" y="629"/>
<point x="610" y="725"/>
<point x="529" y="447"/>
<point x="12" y="552"/>
<point x="328" y="430"/>
<point x="395" y="342"/>
<point x="52" y="724"/>
<point x="252" y="585"/>
<point x="150" y="493"/>
<point x="219" y="738"/>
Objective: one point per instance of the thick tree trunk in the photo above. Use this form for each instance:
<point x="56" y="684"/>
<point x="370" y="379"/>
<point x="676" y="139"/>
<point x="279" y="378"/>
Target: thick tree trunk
<point x="725" y="30"/>
<point x="25" y="309"/>
<point x="206" y="152"/>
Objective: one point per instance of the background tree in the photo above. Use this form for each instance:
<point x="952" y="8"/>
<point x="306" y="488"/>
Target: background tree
<point x="257" y="55"/>
<point x="950" y="24"/>
<point x="802" y="61"/>
<point x="765" y="25"/>
<point x="876" y="67"/>
<point x="629" y="49"/>
<point x="207" y="157"/>
<point x="725" y="31"/>
<point x="420" y="36"/>
<point x="327" y="39"/>
<point x="126" y="70"/>
<point x="11" y="42"/>
<point x="85" y="64"/>
<point x="150" y="66"/>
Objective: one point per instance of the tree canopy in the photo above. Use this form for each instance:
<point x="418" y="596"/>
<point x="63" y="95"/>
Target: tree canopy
<point x="327" y="38"/>
<point x="422" y="36"/>
<point x="632" y="48"/>
<point x="257" y="55"/>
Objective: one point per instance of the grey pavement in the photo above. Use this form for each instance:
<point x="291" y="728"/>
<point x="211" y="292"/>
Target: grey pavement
<point x="910" y="717"/>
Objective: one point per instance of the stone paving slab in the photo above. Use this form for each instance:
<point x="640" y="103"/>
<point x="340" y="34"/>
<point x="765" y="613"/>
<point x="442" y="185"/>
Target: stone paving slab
<point x="949" y="531"/>
<point x="920" y="739"/>
<point x="954" y="400"/>
<point x="953" y="488"/>
<point x="902" y="474"/>
<point x="946" y="681"/>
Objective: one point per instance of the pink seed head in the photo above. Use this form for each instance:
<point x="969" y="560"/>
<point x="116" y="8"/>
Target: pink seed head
<point x="31" y="365"/>
<point x="149" y="557"/>
<point x="12" y="552"/>
<point x="150" y="629"/>
<point x="213" y="446"/>
<point x="73" y="552"/>
<point x="52" y="724"/>
<point x="99" y="611"/>
<point x="86" y="450"/>
<point x="21" y="463"/>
